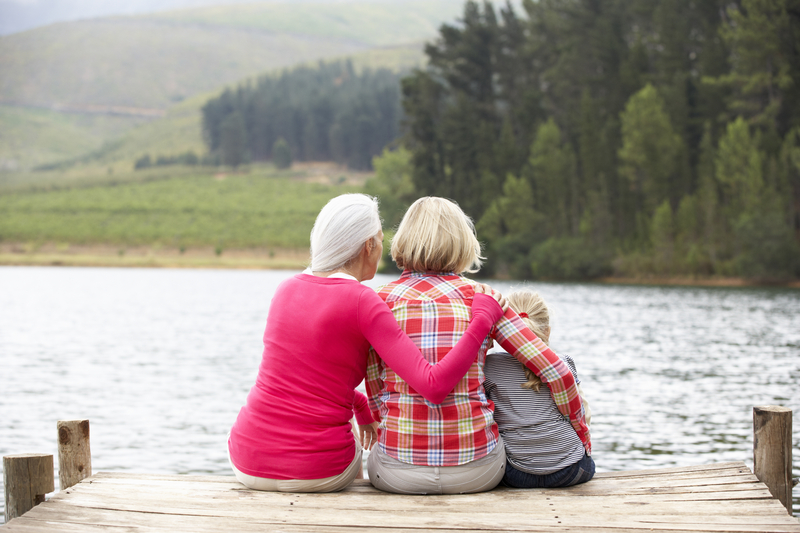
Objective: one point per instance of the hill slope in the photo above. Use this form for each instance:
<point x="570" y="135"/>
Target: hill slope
<point x="153" y="61"/>
<point x="73" y="88"/>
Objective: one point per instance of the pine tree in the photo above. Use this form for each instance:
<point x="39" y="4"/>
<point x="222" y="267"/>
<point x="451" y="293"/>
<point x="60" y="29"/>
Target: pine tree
<point x="281" y="154"/>
<point x="763" y="36"/>
<point x="650" y="150"/>
<point x="553" y="173"/>
<point x="233" y="140"/>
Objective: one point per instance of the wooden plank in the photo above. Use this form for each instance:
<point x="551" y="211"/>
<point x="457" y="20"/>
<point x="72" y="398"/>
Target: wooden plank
<point x="673" y="470"/>
<point x="52" y="516"/>
<point x="308" y="511"/>
<point x="494" y="500"/>
<point x="718" y="498"/>
<point x="598" y="486"/>
<point x="744" y="490"/>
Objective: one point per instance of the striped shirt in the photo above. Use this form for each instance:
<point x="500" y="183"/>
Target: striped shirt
<point x="434" y="310"/>
<point x="537" y="437"/>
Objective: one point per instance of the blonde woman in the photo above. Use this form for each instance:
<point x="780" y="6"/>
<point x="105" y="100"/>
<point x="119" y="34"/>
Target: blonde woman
<point x="542" y="449"/>
<point x="452" y="446"/>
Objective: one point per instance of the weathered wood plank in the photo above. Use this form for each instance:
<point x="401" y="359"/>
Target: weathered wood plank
<point x="493" y="500"/>
<point x="746" y="489"/>
<point x="601" y="486"/>
<point x="718" y="498"/>
<point x="57" y="518"/>
<point x="309" y="510"/>
<point x="673" y="470"/>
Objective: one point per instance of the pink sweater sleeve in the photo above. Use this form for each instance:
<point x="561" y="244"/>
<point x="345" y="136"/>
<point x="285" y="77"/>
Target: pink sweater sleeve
<point x="433" y="382"/>
<point x="361" y="409"/>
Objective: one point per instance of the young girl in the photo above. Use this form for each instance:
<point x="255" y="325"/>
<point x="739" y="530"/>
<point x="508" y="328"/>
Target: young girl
<point x="542" y="448"/>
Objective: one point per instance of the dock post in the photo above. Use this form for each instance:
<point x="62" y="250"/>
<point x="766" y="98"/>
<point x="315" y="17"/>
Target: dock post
<point x="27" y="478"/>
<point x="74" y="453"/>
<point x="772" y="451"/>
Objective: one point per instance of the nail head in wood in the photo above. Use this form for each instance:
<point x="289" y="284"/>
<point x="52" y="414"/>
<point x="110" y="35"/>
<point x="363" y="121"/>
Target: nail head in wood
<point x="27" y="478"/>
<point x="772" y="451"/>
<point x="74" y="452"/>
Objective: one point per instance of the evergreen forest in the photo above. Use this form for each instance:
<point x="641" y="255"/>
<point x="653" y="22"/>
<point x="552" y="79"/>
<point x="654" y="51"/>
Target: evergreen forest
<point x="628" y="137"/>
<point x="325" y="113"/>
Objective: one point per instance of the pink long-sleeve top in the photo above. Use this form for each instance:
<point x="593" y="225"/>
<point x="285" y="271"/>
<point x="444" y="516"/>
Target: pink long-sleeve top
<point x="296" y="421"/>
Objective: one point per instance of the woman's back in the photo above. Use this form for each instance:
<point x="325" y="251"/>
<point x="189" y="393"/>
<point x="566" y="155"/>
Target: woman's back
<point x="301" y="405"/>
<point x="434" y="310"/>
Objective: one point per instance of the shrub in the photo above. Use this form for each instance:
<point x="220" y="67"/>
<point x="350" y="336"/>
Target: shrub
<point x="143" y="162"/>
<point x="570" y="258"/>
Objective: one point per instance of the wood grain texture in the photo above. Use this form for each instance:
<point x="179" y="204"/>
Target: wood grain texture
<point x="27" y="478"/>
<point x="772" y="450"/>
<point x="719" y="498"/>
<point x="74" y="452"/>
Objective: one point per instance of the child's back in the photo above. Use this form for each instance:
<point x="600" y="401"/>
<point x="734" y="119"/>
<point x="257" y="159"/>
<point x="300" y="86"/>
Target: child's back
<point x="542" y="448"/>
<point x="538" y="439"/>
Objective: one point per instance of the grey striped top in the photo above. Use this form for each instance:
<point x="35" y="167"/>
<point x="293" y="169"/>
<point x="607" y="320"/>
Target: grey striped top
<point x="537" y="437"/>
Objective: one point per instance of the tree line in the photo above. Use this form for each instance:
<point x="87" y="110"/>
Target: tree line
<point x="325" y="113"/>
<point x="594" y="137"/>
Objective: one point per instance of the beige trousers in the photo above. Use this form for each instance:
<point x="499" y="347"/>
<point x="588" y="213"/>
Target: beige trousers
<point x="390" y="475"/>
<point x="328" y="484"/>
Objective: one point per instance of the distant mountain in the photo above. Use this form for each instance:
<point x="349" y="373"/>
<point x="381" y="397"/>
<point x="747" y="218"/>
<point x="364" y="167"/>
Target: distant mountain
<point x="145" y="63"/>
<point x="21" y="15"/>
<point x="70" y="88"/>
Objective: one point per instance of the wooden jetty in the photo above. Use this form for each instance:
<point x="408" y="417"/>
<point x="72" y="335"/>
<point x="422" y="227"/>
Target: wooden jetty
<point x="724" y="497"/>
<point x="719" y="497"/>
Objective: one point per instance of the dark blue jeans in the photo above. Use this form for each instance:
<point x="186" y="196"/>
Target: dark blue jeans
<point x="576" y="473"/>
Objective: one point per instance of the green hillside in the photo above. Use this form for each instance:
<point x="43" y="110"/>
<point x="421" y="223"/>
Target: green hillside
<point x="183" y="208"/>
<point x="88" y="145"/>
<point x="106" y="91"/>
<point x="31" y="137"/>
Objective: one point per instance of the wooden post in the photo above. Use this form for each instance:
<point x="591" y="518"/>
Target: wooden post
<point x="74" y="454"/>
<point x="772" y="451"/>
<point x="27" y="478"/>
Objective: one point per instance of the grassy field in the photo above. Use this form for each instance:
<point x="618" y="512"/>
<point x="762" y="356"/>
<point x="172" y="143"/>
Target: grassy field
<point x="255" y="208"/>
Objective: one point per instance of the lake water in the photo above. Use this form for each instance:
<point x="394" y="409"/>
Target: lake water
<point x="160" y="361"/>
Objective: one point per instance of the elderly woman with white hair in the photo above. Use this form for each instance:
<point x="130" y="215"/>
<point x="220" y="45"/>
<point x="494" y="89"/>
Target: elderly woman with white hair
<point x="294" y="433"/>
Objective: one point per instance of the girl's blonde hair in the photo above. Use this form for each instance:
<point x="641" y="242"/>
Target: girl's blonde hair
<point x="436" y="235"/>
<point x="529" y="303"/>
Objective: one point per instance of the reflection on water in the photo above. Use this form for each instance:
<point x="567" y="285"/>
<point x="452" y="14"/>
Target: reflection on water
<point x="160" y="361"/>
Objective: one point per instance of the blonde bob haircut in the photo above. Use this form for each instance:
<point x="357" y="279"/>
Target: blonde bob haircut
<point x="435" y="235"/>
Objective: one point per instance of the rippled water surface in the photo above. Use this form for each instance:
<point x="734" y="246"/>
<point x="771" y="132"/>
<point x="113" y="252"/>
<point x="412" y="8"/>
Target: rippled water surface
<point x="160" y="361"/>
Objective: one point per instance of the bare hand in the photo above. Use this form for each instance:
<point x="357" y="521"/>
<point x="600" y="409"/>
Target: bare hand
<point x="368" y="434"/>
<point x="486" y="289"/>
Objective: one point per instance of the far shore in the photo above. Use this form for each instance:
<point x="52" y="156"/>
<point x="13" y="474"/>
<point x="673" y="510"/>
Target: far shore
<point x="17" y="254"/>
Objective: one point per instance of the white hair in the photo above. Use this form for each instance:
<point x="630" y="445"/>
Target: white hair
<point x="341" y="229"/>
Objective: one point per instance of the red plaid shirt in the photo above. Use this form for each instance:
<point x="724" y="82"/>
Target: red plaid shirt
<point x="434" y="310"/>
